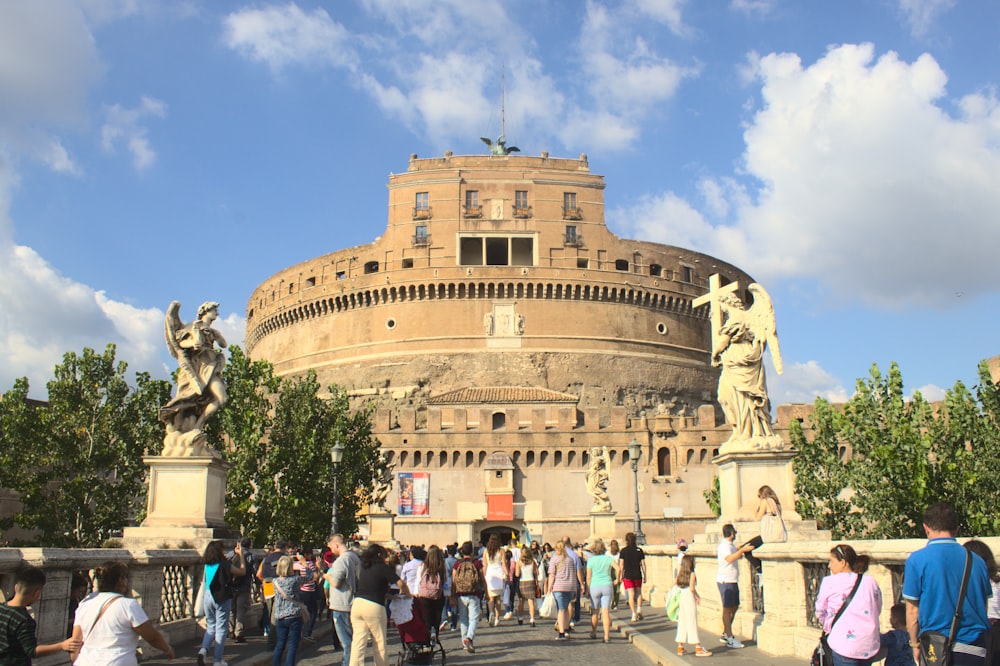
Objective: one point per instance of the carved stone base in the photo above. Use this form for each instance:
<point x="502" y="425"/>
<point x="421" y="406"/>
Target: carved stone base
<point x="188" y="492"/>
<point x="742" y="473"/>
<point x="602" y="525"/>
<point x="382" y="528"/>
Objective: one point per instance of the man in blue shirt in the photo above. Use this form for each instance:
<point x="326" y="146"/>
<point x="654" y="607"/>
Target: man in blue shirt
<point x="931" y="584"/>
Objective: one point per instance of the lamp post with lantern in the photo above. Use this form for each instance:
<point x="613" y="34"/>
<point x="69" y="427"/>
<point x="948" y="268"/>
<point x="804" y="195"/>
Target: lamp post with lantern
<point x="634" y="451"/>
<point x="336" y="456"/>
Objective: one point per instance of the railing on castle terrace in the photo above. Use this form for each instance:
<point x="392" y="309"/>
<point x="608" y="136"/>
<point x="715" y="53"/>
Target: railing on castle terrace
<point x="780" y="613"/>
<point x="164" y="581"/>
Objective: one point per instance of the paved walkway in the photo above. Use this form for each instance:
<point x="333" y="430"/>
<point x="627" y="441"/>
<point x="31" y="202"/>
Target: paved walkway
<point x="510" y="644"/>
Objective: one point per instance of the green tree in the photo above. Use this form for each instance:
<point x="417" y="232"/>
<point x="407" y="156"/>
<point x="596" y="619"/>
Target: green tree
<point x="239" y="432"/>
<point x="904" y="455"/>
<point x="295" y="484"/>
<point x="79" y="474"/>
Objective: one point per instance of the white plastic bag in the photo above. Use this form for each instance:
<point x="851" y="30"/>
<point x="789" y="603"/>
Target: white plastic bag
<point x="548" y="607"/>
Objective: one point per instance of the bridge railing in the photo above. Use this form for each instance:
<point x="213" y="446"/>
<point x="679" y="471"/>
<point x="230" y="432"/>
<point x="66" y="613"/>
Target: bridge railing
<point x="780" y="614"/>
<point x="164" y="582"/>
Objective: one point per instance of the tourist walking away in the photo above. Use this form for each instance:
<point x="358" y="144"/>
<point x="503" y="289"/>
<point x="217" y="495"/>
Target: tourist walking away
<point x="242" y="587"/>
<point x="217" y="598"/>
<point x="110" y="623"/>
<point x="574" y="605"/>
<point x="932" y="584"/>
<point x="633" y="565"/>
<point x="343" y="578"/>
<point x="429" y="592"/>
<point x="450" y="620"/>
<point x="495" y="577"/>
<point x="368" y="613"/>
<point x="528" y="583"/>
<point x="18" y="643"/>
<point x="601" y="574"/>
<point x="896" y="641"/>
<point x="564" y="580"/>
<point x="687" y="616"/>
<point x="467" y="585"/>
<point x="614" y="550"/>
<point x="848" y="607"/>
<point x="287" y="615"/>
<point x="728" y="578"/>
<point x="304" y="563"/>
<point x="266" y="575"/>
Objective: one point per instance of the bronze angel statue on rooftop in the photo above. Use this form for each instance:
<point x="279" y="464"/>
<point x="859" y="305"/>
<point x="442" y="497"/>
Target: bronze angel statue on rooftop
<point x="201" y="390"/>
<point x="499" y="147"/>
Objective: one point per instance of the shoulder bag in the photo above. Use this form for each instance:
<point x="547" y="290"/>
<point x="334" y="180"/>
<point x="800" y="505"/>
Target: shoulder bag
<point x="822" y="656"/>
<point x="303" y="610"/>
<point x="935" y="647"/>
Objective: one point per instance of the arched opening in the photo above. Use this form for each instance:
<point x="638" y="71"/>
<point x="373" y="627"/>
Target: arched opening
<point x="499" y="420"/>
<point x="663" y="461"/>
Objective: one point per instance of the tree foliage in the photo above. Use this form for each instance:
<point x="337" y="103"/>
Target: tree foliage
<point x="76" y="463"/>
<point x="871" y="467"/>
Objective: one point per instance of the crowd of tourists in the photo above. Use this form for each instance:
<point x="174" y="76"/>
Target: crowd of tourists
<point x="950" y="598"/>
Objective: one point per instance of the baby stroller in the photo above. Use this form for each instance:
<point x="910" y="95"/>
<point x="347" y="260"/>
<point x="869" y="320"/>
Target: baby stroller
<point x="420" y="646"/>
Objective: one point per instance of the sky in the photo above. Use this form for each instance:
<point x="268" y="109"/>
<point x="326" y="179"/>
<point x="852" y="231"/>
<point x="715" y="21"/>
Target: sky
<point x="846" y="154"/>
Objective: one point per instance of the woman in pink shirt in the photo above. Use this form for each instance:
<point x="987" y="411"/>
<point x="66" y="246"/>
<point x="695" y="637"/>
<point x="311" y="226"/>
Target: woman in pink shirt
<point x="854" y="639"/>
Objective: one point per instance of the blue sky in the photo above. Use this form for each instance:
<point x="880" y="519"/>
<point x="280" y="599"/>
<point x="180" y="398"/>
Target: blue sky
<point x="844" y="153"/>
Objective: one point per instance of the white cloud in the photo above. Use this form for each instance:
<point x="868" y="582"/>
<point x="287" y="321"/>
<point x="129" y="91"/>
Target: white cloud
<point x="855" y="175"/>
<point x="803" y="382"/>
<point x="754" y="7"/>
<point x="284" y="36"/>
<point x="667" y="12"/>
<point x="920" y="14"/>
<point x="931" y="393"/>
<point x="123" y="125"/>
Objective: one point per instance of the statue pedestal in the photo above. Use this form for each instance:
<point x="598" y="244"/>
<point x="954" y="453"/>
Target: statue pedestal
<point x="602" y="525"/>
<point x="186" y="503"/>
<point x="382" y="528"/>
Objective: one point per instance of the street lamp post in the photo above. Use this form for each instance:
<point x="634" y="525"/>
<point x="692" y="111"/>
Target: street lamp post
<point x="336" y="456"/>
<point x="634" y="451"/>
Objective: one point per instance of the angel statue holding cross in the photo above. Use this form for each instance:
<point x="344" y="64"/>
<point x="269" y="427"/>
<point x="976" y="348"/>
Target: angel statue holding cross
<point x="740" y="336"/>
<point x="201" y="390"/>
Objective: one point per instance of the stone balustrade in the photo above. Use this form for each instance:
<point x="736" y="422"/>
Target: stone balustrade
<point x="779" y="614"/>
<point x="164" y="581"/>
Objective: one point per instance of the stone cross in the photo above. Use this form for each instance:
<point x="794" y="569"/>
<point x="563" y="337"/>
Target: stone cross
<point x="715" y="293"/>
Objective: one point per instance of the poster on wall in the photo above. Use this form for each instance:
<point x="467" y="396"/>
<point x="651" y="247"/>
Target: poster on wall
<point x="414" y="493"/>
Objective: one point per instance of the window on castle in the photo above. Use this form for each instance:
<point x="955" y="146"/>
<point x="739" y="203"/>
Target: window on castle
<point x="371" y="267"/>
<point x="687" y="274"/>
<point x="310" y="282"/>
<point x="471" y="198"/>
<point x="621" y="264"/>
<point x="499" y="420"/>
<point x="408" y="263"/>
<point x="655" y="270"/>
<point x="663" y="461"/>
<point x="496" y="251"/>
<point x="520" y="199"/>
<point x="422" y="201"/>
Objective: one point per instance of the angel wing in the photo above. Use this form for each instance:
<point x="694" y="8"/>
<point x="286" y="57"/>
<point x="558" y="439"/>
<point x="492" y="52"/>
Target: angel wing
<point x="488" y="142"/>
<point x="513" y="149"/>
<point x="171" y="325"/>
<point x="760" y="320"/>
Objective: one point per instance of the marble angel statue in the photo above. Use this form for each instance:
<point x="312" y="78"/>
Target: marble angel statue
<point x="201" y="391"/>
<point x="598" y="475"/>
<point x="739" y="346"/>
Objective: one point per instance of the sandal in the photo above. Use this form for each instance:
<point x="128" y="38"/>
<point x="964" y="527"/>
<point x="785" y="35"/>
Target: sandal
<point x="607" y="639"/>
<point x="593" y="635"/>
<point x="680" y="651"/>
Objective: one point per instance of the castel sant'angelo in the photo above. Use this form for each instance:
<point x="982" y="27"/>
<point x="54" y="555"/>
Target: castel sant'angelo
<point x="503" y="333"/>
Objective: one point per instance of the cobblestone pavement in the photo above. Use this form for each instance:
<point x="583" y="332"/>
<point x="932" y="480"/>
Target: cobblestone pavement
<point x="510" y="644"/>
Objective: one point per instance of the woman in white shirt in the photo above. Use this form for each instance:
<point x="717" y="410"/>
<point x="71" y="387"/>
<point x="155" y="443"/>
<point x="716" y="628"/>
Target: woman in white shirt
<point x="110" y="623"/>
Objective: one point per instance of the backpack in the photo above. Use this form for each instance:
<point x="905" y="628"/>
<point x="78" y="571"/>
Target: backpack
<point x="221" y="584"/>
<point x="430" y="586"/>
<point x="466" y="579"/>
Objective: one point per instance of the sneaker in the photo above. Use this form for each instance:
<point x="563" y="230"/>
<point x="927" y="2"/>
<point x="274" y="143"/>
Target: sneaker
<point x="572" y="624"/>
<point x="202" y="653"/>
<point x="638" y="615"/>
<point x="240" y="639"/>
<point x="562" y="637"/>
<point x="508" y="616"/>
<point x="633" y="617"/>
<point x="445" y="626"/>
<point x="471" y="648"/>
<point x="724" y="639"/>
<point x="466" y="643"/>
<point x="309" y="638"/>
<point x="702" y="652"/>
<point x="734" y="642"/>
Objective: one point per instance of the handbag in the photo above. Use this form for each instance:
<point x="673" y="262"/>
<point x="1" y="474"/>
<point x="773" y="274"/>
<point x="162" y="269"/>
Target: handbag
<point x="822" y="656"/>
<point x="673" y="603"/>
<point x="548" y="607"/>
<point x="303" y="611"/>
<point x="772" y="526"/>
<point x="935" y="647"/>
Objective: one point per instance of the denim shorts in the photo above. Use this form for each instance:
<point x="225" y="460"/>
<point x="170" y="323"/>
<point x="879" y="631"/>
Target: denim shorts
<point x="600" y="596"/>
<point x="563" y="599"/>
